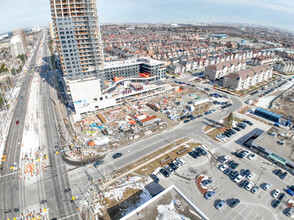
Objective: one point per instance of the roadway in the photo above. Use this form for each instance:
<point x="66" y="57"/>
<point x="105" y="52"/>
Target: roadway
<point x="136" y="151"/>
<point x="56" y="178"/>
<point x="11" y="191"/>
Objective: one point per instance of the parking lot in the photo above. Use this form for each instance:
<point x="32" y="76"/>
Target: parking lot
<point x="252" y="206"/>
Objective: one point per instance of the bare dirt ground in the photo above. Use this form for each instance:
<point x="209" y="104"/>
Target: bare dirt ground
<point x="285" y="105"/>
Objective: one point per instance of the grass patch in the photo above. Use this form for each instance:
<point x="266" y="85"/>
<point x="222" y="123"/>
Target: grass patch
<point x="207" y="128"/>
<point x="171" y="74"/>
<point x="215" y="132"/>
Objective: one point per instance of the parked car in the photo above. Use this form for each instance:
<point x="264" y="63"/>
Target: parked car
<point x="228" y="171"/>
<point x="266" y="186"/>
<point x="281" y="196"/>
<point x="116" y="155"/>
<point x="193" y="154"/>
<point x="234" y="174"/>
<point x="200" y="150"/>
<point x="223" y="167"/>
<point x="168" y="169"/>
<point x="180" y="160"/>
<point x="173" y="166"/>
<point x="231" y="162"/>
<point x="220" y="204"/>
<point x="164" y="172"/>
<point x="242" y="125"/>
<point x="255" y="189"/>
<point x="290" y="191"/>
<point x="248" y="122"/>
<point x="243" y="183"/>
<point x="234" y="203"/>
<point x="278" y="172"/>
<point x="178" y="165"/>
<point x="283" y="175"/>
<point x="249" y="186"/>
<point x="224" y="159"/>
<point x="245" y="172"/>
<point x="276" y="193"/>
<point x="239" y="178"/>
<point x="209" y="194"/>
<point x="250" y="176"/>
<point x="276" y="203"/>
<point x="234" y="166"/>
<point x="154" y="178"/>
<point x="251" y="156"/>
<point x="207" y="182"/>
<point x="289" y="212"/>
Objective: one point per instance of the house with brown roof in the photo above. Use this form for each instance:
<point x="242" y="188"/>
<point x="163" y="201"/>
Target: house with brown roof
<point x="247" y="78"/>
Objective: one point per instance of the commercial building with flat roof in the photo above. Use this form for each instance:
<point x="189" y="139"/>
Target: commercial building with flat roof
<point x="277" y="145"/>
<point x="133" y="67"/>
<point x="169" y="204"/>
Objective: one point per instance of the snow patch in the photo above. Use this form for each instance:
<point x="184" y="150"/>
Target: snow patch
<point x="167" y="212"/>
<point x="264" y="102"/>
<point x="117" y="192"/>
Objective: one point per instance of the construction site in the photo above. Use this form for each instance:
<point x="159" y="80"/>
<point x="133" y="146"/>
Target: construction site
<point x="117" y="126"/>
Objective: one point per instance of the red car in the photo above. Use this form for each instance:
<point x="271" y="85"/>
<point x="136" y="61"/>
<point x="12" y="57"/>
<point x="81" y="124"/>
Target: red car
<point x="17" y="122"/>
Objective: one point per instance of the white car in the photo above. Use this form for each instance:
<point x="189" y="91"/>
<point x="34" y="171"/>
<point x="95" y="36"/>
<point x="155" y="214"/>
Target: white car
<point x="168" y="169"/>
<point x="245" y="152"/>
<point x="225" y="159"/>
<point x="251" y="156"/>
<point x="249" y="186"/>
<point x="223" y="167"/>
<point x="266" y="186"/>
<point x="250" y="176"/>
<point x="276" y="193"/>
<point x="239" y="178"/>
<point x="181" y="161"/>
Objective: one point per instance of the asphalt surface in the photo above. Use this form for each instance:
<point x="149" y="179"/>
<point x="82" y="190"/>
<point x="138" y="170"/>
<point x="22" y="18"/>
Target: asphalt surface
<point x="56" y="179"/>
<point x="11" y="187"/>
<point x="17" y="195"/>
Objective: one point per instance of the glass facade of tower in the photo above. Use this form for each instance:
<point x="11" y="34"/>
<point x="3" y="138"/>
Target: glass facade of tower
<point x="78" y="38"/>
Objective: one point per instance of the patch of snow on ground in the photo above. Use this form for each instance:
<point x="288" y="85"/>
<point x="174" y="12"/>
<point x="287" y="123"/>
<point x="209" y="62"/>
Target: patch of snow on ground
<point x="117" y="193"/>
<point x="264" y="102"/>
<point x="167" y="212"/>
<point x="234" y="123"/>
<point x="97" y="208"/>
<point x="144" y="197"/>
<point x="102" y="141"/>
<point x="286" y="86"/>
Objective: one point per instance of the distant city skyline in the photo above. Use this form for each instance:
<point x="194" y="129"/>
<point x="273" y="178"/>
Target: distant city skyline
<point x="274" y="13"/>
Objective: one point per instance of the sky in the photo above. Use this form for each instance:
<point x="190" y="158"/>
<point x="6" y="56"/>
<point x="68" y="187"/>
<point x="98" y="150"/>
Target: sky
<point x="276" y="13"/>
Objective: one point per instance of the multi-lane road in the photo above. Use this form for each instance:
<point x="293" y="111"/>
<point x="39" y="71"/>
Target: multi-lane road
<point x="11" y="192"/>
<point x="46" y="194"/>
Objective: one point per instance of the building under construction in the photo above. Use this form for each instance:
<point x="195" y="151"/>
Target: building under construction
<point x="78" y="37"/>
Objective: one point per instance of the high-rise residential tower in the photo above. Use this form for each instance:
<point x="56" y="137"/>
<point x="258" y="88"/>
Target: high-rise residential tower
<point x="16" y="46"/>
<point x="22" y="34"/>
<point x="78" y="38"/>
